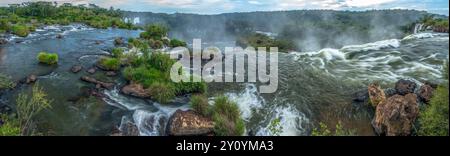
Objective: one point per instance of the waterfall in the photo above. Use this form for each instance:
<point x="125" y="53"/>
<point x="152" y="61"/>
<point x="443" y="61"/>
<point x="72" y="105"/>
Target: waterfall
<point x="418" y="28"/>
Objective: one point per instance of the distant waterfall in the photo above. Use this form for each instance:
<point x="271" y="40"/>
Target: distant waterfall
<point x="418" y="28"/>
<point x="134" y="20"/>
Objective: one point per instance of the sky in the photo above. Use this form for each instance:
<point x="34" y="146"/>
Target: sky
<point x="227" y="6"/>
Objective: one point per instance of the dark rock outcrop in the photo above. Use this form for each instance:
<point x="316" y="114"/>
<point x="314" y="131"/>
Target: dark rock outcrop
<point x="361" y="96"/>
<point x="59" y="36"/>
<point x="76" y="68"/>
<point x="389" y="92"/>
<point x="396" y="115"/>
<point x="128" y="129"/>
<point x="118" y="41"/>
<point x="136" y="90"/>
<point x="425" y="93"/>
<point x="96" y="82"/>
<point x="376" y="94"/>
<point x="189" y="123"/>
<point x="404" y="87"/>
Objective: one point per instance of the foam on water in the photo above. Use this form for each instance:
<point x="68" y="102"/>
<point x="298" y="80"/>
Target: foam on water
<point x="291" y="122"/>
<point x="248" y="100"/>
<point x="392" y="43"/>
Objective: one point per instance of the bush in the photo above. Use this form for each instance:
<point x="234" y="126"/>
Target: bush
<point x="109" y="63"/>
<point x="117" y="52"/>
<point x="143" y="75"/>
<point x="338" y="131"/>
<point x="10" y="126"/>
<point x="200" y="104"/>
<point x="227" y="118"/>
<point x="177" y="43"/>
<point x="190" y="87"/>
<point x="6" y="82"/>
<point x="156" y="44"/>
<point x="154" y="31"/>
<point x="48" y="58"/>
<point x="161" y="62"/>
<point x="162" y="92"/>
<point x="434" y="118"/>
<point x="20" y="30"/>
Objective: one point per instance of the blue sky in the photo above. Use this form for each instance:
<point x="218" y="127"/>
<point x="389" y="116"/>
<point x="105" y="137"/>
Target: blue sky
<point x="225" y="6"/>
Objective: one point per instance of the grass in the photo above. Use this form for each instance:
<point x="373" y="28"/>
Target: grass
<point x="117" y="53"/>
<point x="162" y="92"/>
<point x="339" y="130"/>
<point x="6" y="82"/>
<point x="177" y="43"/>
<point x="20" y="30"/>
<point x="10" y="126"/>
<point x="48" y="58"/>
<point x="200" y="104"/>
<point x="109" y="63"/>
<point x="227" y="118"/>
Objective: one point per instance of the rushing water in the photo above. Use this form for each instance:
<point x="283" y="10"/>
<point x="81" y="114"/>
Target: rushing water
<point x="313" y="86"/>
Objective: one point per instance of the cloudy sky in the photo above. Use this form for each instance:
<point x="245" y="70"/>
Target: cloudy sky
<point x="225" y="6"/>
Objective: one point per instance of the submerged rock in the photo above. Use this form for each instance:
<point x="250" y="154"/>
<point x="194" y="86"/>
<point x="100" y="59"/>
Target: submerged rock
<point x="118" y="41"/>
<point x="390" y="92"/>
<point x="111" y="73"/>
<point x="404" y="87"/>
<point x="136" y="90"/>
<point x="376" y="94"/>
<point x="361" y="96"/>
<point x="96" y="82"/>
<point x="3" y="41"/>
<point x="31" y="79"/>
<point x="189" y="123"/>
<point x="59" y="36"/>
<point x="396" y="115"/>
<point x="425" y="93"/>
<point x="92" y="70"/>
<point x="76" y="68"/>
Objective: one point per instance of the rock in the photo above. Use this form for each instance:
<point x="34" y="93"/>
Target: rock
<point x="361" y="96"/>
<point x="404" y="87"/>
<point x="92" y="70"/>
<point x="390" y="92"/>
<point x="425" y="93"/>
<point x="189" y="123"/>
<point x="3" y="41"/>
<point x="59" y="36"/>
<point x="98" y="42"/>
<point x="136" y="90"/>
<point x="96" y="82"/>
<point x="396" y="115"/>
<point x="76" y="68"/>
<point x="5" y="109"/>
<point x="376" y="94"/>
<point x="128" y="129"/>
<point x="111" y="73"/>
<point x="31" y="79"/>
<point x="118" y="41"/>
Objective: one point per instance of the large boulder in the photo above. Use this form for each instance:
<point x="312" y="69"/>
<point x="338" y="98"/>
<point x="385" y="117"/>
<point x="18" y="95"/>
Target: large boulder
<point x="136" y="90"/>
<point x="404" y="87"/>
<point x="396" y="115"/>
<point x="118" y="41"/>
<point x="189" y="123"/>
<point x="425" y="93"/>
<point x="376" y="94"/>
<point x="97" y="82"/>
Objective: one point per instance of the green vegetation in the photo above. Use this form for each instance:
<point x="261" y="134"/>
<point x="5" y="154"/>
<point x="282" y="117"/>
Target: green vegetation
<point x="155" y="32"/>
<point x="6" y="82"/>
<point x="28" y="108"/>
<point x="339" y="130"/>
<point x="117" y="52"/>
<point x="177" y="43"/>
<point x="257" y="40"/>
<point x="162" y="92"/>
<point x="10" y="126"/>
<point x="21" y="19"/>
<point x="434" y="118"/>
<point x="200" y="104"/>
<point x="48" y="58"/>
<point x="108" y="63"/>
<point x="227" y="118"/>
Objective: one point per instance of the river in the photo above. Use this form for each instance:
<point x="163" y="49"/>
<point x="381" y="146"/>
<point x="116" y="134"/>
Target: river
<point x="314" y="87"/>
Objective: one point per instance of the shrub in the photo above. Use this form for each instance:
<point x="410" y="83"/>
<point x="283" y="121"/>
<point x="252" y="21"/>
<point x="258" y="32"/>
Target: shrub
<point x="48" y="58"/>
<point x="143" y="75"/>
<point x="434" y="118"/>
<point x="10" y="126"/>
<point x="177" y="43"/>
<point x="6" y="82"/>
<point x="154" y="31"/>
<point x="227" y="118"/>
<point x="109" y="63"/>
<point x="338" y="131"/>
<point x="20" y="30"/>
<point x="117" y="52"/>
<point x="156" y="44"/>
<point x="190" y="87"/>
<point x="27" y="108"/>
<point x="161" y="62"/>
<point x="162" y="92"/>
<point x="200" y="104"/>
